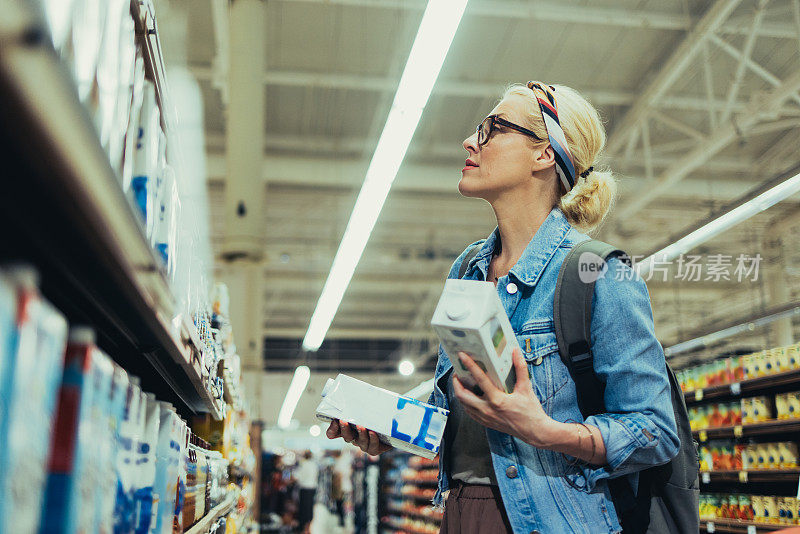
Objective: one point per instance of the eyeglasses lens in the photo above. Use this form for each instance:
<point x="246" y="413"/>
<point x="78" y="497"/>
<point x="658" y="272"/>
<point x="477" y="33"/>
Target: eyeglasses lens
<point x="484" y="131"/>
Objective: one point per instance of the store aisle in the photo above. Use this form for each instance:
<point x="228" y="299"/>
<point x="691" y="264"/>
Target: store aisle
<point x="326" y="522"/>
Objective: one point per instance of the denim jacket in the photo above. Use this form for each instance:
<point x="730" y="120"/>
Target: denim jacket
<point x="541" y="493"/>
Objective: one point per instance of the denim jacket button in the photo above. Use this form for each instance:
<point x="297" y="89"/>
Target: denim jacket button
<point x="537" y="360"/>
<point x="511" y="471"/>
<point x="511" y="288"/>
<point x="534" y="532"/>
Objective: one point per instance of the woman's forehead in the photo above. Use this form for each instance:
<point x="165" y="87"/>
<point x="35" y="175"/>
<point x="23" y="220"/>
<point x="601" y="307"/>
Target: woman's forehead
<point x="512" y="108"/>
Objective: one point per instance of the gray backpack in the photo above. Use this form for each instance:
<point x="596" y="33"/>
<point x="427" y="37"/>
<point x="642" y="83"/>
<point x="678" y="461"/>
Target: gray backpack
<point x="667" y="497"/>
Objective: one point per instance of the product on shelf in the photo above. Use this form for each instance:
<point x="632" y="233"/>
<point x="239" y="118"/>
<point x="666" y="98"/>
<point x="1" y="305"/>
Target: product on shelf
<point x="718" y="372"/>
<point x="727" y="456"/>
<point x="405" y="423"/>
<point x="146" y="503"/>
<point x="755" y="508"/>
<point x="715" y="415"/>
<point x="737" y="368"/>
<point x="32" y="344"/>
<point x="471" y="318"/>
<point x="79" y="440"/>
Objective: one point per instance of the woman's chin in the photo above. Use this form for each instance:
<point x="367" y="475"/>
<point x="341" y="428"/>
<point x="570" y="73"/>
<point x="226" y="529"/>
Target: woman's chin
<point x="468" y="188"/>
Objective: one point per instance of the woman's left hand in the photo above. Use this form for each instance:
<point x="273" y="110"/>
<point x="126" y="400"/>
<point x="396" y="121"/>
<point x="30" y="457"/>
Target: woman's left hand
<point x="519" y="414"/>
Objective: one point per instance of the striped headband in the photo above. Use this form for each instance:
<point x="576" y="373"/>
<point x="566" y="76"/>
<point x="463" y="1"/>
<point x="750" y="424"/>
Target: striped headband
<point x="565" y="168"/>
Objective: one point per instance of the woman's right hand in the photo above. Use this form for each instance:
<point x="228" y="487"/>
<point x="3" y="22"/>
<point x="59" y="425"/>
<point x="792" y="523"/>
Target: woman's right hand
<point x="364" y="439"/>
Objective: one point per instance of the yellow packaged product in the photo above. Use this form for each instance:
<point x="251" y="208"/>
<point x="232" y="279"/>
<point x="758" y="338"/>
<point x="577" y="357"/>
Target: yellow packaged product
<point x="782" y="510"/>
<point x="793" y="355"/>
<point x="771" y="511"/>
<point x="757" y="501"/>
<point x="762" y="408"/>
<point x="759" y="362"/>
<point x="781" y="406"/>
<point x="773" y="456"/>
<point x="750" y="457"/>
<point x="782" y="357"/>
<point x="747" y="366"/>
<point x="788" y="454"/>
<point x="793" y="402"/>
<point x="773" y="362"/>
<point x="706" y="459"/>
<point x="762" y="456"/>
<point x="747" y="411"/>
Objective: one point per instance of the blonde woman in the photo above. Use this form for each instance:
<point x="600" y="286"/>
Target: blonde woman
<point x="528" y="461"/>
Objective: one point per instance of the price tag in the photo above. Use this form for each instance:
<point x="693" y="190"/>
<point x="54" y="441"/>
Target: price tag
<point x="698" y="396"/>
<point x="706" y="477"/>
<point x="736" y="388"/>
<point x="737" y="431"/>
<point x="703" y="436"/>
<point x="743" y="477"/>
<point x="709" y="527"/>
<point x="751" y="529"/>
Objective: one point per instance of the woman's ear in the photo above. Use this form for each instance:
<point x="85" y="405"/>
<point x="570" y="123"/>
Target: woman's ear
<point x="543" y="158"/>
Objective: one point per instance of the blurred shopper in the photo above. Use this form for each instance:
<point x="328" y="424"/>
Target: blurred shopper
<point x="342" y="486"/>
<point x="307" y="476"/>
<point x="528" y="461"/>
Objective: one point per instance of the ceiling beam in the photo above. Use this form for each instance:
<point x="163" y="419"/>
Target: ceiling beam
<point x="318" y="145"/>
<point x="722" y="137"/>
<point x="349" y="173"/>
<point x="459" y="88"/>
<point x="538" y="11"/>
<point x="573" y="14"/>
<point x="351" y="333"/>
<point x="669" y="72"/>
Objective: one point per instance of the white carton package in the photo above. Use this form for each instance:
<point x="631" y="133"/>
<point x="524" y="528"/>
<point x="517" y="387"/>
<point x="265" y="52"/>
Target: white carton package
<point x="470" y="318"/>
<point x="402" y="422"/>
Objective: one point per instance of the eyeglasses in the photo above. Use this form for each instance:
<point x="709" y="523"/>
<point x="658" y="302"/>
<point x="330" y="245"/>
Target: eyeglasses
<point x="489" y="125"/>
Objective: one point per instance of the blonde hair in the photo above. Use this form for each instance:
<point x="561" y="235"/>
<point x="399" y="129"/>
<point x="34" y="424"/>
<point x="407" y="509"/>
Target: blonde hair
<point x="589" y="201"/>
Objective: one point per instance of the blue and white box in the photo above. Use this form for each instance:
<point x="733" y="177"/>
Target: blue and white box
<point x="402" y="422"/>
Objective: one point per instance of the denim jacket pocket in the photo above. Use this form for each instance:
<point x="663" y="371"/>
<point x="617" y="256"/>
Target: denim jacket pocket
<point x="547" y="371"/>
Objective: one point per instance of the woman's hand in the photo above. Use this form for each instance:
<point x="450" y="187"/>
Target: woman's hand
<point x="519" y="414"/>
<point x="364" y="439"/>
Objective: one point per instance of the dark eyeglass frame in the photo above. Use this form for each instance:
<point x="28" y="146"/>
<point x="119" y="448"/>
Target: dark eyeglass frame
<point x="495" y="120"/>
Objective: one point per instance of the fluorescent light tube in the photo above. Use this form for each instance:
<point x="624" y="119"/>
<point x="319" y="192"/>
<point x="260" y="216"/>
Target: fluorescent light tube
<point x="435" y="34"/>
<point x="296" y="388"/>
<point x="722" y="223"/>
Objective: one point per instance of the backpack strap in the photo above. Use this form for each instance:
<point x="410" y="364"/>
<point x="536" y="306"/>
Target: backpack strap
<point x="462" y="269"/>
<point x="572" y="314"/>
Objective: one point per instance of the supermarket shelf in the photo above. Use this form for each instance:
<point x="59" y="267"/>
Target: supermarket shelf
<point x="147" y="30"/>
<point x="407" y="497"/>
<point x="204" y="525"/>
<point x="71" y="219"/>
<point x="751" y="385"/>
<point x="737" y="527"/>
<point x="420" y="483"/>
<point x="415" y="515"/>
<point x="774" y="426"/>
<point x="756" y="475"/>
<point x="398" y="528"/>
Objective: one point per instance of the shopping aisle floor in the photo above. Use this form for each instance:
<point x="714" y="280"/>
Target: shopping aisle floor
<point x="327" y="523"/>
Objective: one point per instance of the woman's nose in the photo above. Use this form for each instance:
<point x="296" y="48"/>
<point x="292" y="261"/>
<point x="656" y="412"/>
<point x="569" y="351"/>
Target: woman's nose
<point x="470" y="144"/>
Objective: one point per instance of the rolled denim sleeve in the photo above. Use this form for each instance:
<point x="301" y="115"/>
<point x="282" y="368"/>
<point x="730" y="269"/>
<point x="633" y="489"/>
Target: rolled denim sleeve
<point x="638" y="427"/>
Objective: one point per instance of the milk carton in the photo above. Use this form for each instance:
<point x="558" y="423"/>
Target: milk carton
<point x="402" y="422"/>
<point x="470" y="318"/>
<point x="34" y="338"/>
<point x="78" y="439"/>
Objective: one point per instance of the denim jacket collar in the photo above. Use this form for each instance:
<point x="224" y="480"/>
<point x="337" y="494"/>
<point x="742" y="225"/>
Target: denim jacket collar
<point x="537" y="254"/>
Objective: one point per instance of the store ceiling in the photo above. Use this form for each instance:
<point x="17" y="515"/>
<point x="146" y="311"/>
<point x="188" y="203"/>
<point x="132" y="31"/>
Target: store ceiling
<point x="653" y="68"/>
